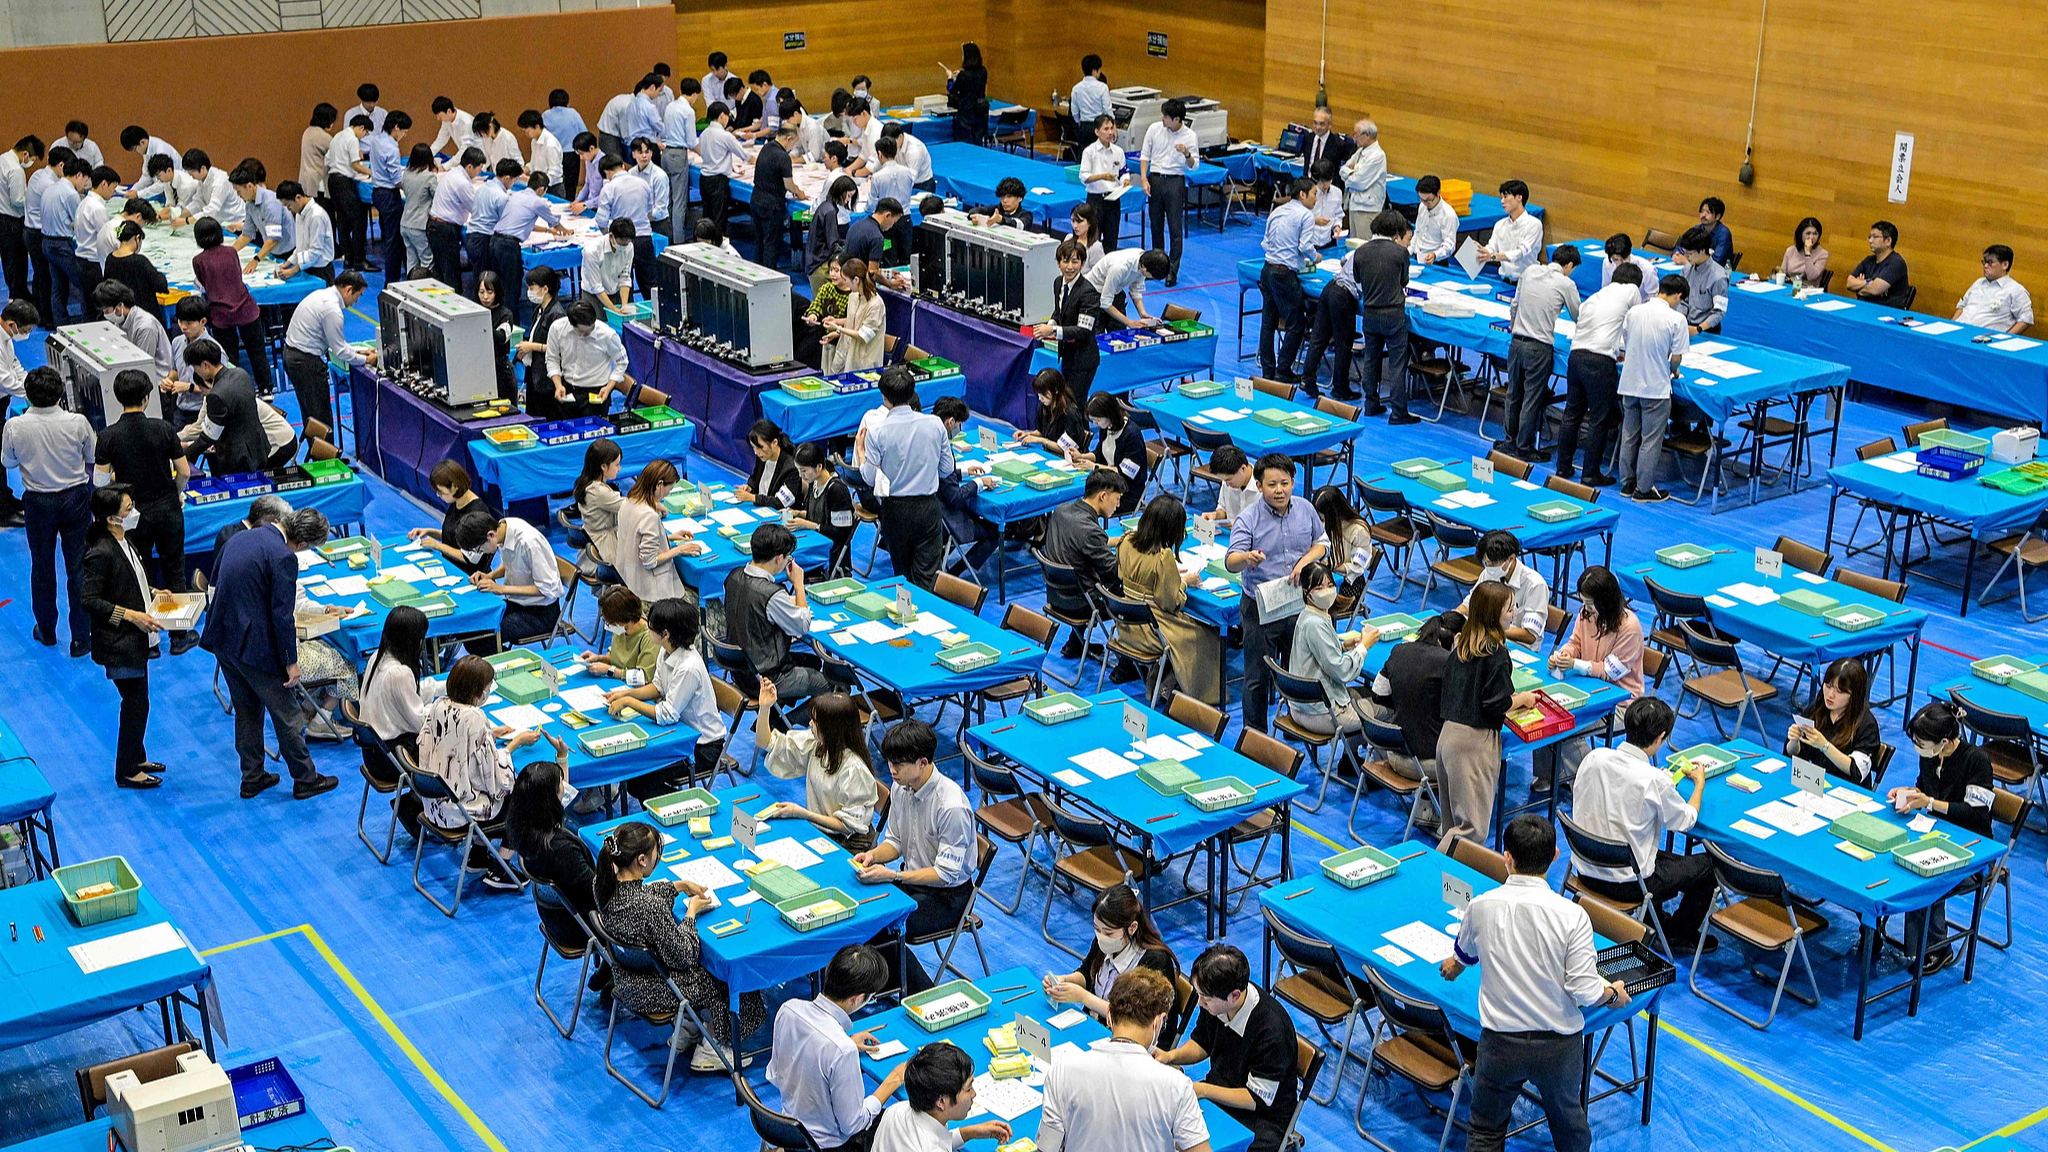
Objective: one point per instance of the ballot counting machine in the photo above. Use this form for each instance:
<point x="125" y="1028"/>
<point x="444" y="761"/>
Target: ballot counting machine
<point x="88" y="357"/>
<point x="1003" y="274"/>
<point x="1137" y="108"/>
<point x="723" y="305"/>
<point x="436" y="343"/>
<point x="191" y="1110"/>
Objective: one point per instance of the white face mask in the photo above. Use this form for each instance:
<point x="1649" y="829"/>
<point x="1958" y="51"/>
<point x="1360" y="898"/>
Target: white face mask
<point x="129" y="521"/>
<point x="1492" y="572"/>
<point x="1323" y="597"/>
<point x="20" y="336"/>
<point x="536" y="295"/>
<point x="616" y="629"/>
<point x="1112" y="946"/>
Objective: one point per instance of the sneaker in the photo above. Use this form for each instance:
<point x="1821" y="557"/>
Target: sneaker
<point x="307" y="789"/>
<point x="1651" y="495"/>
<point x="14" y="519"/>
<point x="1936" y="962"/>
<point x="80" y="648"/>
<point x="705" y="1058"/>
<point x="261" y="784"/>
<point x="499" y="882"/>
<point x="1628" y="488"/>
<point x="1539" y="787"/>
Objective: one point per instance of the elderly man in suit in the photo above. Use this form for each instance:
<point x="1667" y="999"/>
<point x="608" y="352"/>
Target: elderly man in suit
<point x="251" y="631"/>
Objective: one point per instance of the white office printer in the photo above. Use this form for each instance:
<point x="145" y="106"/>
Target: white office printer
<point x="940" y="105"/>
<point x="2015" y="445"/>
<point x="1136" y="108"/>
<point x="191" y="1110"/>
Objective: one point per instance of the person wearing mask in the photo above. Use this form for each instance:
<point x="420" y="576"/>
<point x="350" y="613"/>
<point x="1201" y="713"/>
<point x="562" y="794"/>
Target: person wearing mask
<point x="1436" y="223"/>
<point x="681" y="693"/>
<point x="1654" y="340"/>
<point x="1148" y="563"/>
<point x="1102" y="173"/>
<point x="633" y="654"/>
<point x="817" y="1053"/>
<point x="1364" y="173"/>
<point x="1334" y="661"/>
<point x="1272" y="542"/>
<point x="253" y="635"/>
<point x="1125" y="940"/>
<point x="417" y="187"/>
<point x="1478" y="694"/>
<point x="58" y="222"/>
<point x="938" y="1082"/>
<point x="1119" y="281"/>
<point x="395" y="688"/>
<point x="116" y="304"/>
<point x="1501" y="553"/>
<point x="1537" y="972"/>
<point x="1706" y="281"/>
<point x="313" y="142"/>
<point x="458" y="745"/>
<point x="543" y="301"/>
<point x="647" y="552"/>
<point x="32" y="238"/>
<point x="1622" y="794"/>
<point x="1592" y="375"/>
<point x="763" y="618"/>
<point x="831" y="757"/>
<point x="719" y="155"/>
<point x="901" y="457"/>
<point x="597" y="503"/>
<point x="1247" y="1038"/>
<point x="1372" y="288"/>
<point x="345" y="166"/>
<point x="1516" y="243"/>
<point x="1880" y="277"/>
<point x="967" y="91"/>
<point x="454" y="194"/>
<point x="116" y="593"/>
<point x="1619" y="251"/>
<point x="314" y="339"/>
<point x="643" y="914"/>
<point x="1805" y="262"/>
<point x="312" y="235"/>
<point x="1837" y="730"/>
<point x="452" y="485"/>
<point x="1545" y="293"/>
<point x="1120" y="1093"/>
<point x="1606" y="643"/>
<point x="1290" y="248"/>
<point x="384" y="152"/>
<point x="608" y="267"/>
<point x="585" y="361"/>
<point x="1118" y="447"/>
<point x="1955" y="784"/>
<point x="1408" y="693"/>
<point x="1072" y="326"/>
<point x="1169" y="152"/>
<point x="825" y="506"/>
<point x="855" y="340"/>
<point x="141" y="453"/>
<point x="929" y="840"/>
<point x="524" y="575"/>
<point x="1996" y="301"/>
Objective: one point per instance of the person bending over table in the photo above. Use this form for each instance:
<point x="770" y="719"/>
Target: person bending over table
<point x="314" y="338"/>
<point x="642" y="914"/>
<point x="1409" y="694"/>
<point x="1235" y="493"/>
<point x="1116" y="1094"/>
<point x="460" y="747"/>
<point x="1119" y="281"/>
<point x="1248" y="1040"/>
<point x="646" y="557"/>
<point x="1955" y="783"/>
<point x="1623" y="795"/>
<point x="831" y="756"/>
<point x="117" y="596"/>
<point x="1333" y="661"/>
<point x="879" y="241"/>
<point x="1606" y="643"/>
<point x="773" y="483"/>
<point x="762" y="618"/>
<point x="395" y="687"/>
<point x="938" y="1085"/>
<point x="550" y="853"/>
<point x="930" y="840"/>
<point x="1537" y="970"/>
<point x="524" y="575"/>
<point x="1478" y="694"/>
<point x="816" y="1062"/>
<point x="1837" y="729"/>
<point x="680" y="693"/>
<point x="1271" y="543"/>
<point x="1148" y="562"/>
<point x="230" y="429"/>
<point x="451" y="483"/>
<point x="1125" y="940"/>
<point x="1593" y="372"/>
<point x="1501" y="551"/>
<point x="1062" y="425"/>
<point x="1290" y="248"/>
<point x="586" y="362"/>
<point x="1881" y="277"/>
<point x="634" y="653"/>
<point x="826" y="505"/>
<point x="1119" y="448"/>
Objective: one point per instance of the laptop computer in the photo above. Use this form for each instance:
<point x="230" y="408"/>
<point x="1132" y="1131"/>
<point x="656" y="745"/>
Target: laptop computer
<point x="1292" y="138"/>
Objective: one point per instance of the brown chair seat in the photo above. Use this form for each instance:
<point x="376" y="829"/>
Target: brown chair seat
<point x="1008" y="820"/>
<point x="1422" y="1060"/>
<point x="1690" y="443"/>
<point x="1287" y="723"/>
<point x="1255" y="826"/>
<point x="2009" y="762"/>
<point x="1572" y="884"/>
<point x="1670" y="638"/>
<point x="1101" y="867"/>
<point x="1320" y="996"/>
<point x="973" y="924"/>
<point x="1724" y="689"/>
<point x="1762" y="923"/>
<point x="2032" y="548"/>
<point x="1398" y="533"/>
<point x="1458" y="569"/>
<point x="1383" y="774"/>
<point x="1773" y="426"/>
<point x="1009" y="690"/>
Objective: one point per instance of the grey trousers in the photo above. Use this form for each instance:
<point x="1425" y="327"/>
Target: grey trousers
<point x="1469" y="762"/>
<point x="1554" y="1062"/>
<point x="1643" y="421"/>
<point x="1530" y="364"/>
<point x="676" y="162"/>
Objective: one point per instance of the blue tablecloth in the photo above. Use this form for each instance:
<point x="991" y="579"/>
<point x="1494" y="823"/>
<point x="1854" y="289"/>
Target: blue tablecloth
<point x="2001" y="698"/>
<point x="24" y="790"/>
<point x="1152" y="364"/>
<point x="1812" y="864"/>
<point x="43" y="992"/>
<point x="840" y="413"/>
<point x="400" y="436"/>
<point x="706" y="572"/>
<point x="1174" y="410"/>
<point x="546" y="469"/>
<point x="970" y="173"/>
<point x="343" y="501"/>
<point x="1987" y="512"/>
<point x="1009" y="501"/>
<point x="1509" y="510"/>
<point x="914" y="670"/>
<point x="1353" y="919"/>
<point x="1043" y="750"/>
<point x="475" y="611"/>
<point x="306" y="1130"/>
<point x="1775" y="628"/>
<point x="566" y="255"/>
<point x="767" y="951"/>
<point x="718" y="397"/>
<point x="1225" y="1134"/>
<point x="939" y="129"/>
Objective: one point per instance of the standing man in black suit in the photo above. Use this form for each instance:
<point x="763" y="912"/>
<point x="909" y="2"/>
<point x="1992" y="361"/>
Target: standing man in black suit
<point x="251" y="632"/>
<point x="1075" y="308"/>
<point x="230" y="425"/>
<point x="1323" y="143"/>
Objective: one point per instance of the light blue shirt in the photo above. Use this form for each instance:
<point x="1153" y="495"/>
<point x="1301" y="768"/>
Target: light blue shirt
<point x="565" y="125"/>
<point x="268" y="219"/>
<point x="911" y="449"/>
<point x="892" y="180"/>
<point x="1283" y="536"/>
<point x="487" y="204"/>
<point x="386" y="163"/>
<point x="60" y="209"/>
<point x="631" y="199"/>
<point x="679" y="125"/>
<point x="643" y="119"/>
<point x="717" y="149"/>
<point x="657" y="189"/>
<point x="522" y="210"/>
<point x="1291" y="235"/>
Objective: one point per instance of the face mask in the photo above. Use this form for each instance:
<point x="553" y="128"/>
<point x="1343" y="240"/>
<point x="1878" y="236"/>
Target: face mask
<point x="1492" y="572"/>
<point x="616" y="629"/>
<point x="20" y="336"/>
<point x="536" y="295"/>
<point x="129" y="521"/>
<point x="1111" y="946"/>
<point x="1323" y="597"/>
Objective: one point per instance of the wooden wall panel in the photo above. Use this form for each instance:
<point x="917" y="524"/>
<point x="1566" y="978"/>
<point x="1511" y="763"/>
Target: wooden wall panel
<point x="899" y="48"/>
<point x="1623" y="113"/>
<point x="1215" y="48"/>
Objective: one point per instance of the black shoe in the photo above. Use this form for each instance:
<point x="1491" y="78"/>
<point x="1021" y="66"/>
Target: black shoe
<point x="1651" y="495"/>
<point x="307" y="789"/>
<point x="14" y="519"/>
<point x="1534" y="455"/>
<point x="1628" y="487"/>
<point x="153" y="766"/>
<point x="1936" y="962"/>
<point x="257" y="787"/>
<point x="1707" y="947"/>
<point x="1400" y="418"/>
<point x="1123" y="672"/>
<point x="1173" y="281"/>
<point x="43" y="638"/>
<point x="1564" y="472"/>
<point x="499" y="882"/>
<point x="1596" y="480"/>
<point x="142" y="779"/>
<point x="183" y="642"/>
<point x="80" y="648"/>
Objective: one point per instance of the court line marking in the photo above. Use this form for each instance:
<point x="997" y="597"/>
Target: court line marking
<point x="2012" y="1129"/>
<point x="341" y="971"/>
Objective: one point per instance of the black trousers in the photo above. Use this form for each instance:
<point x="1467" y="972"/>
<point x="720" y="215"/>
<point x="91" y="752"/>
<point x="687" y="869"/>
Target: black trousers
<point x="254" y="692"/>
<point x="1275" y="639"/>
<point x="771" y="238"/>
<point x="520" y="622"/>
<point x="1078" y="370"/>
<point x="643" y="267"/>
<point x="1690" y="878"/>
<point x="1385" y="334"/>
<point x="477" y="246"/>
<point x="250" y="336"/>
<point x="1590" y="381"/>
<point x="129" y="753"/>
<point x="915" y="537"/>
<point x="1554" y="1062"/>
<point x="39" y="271"/>
<point x="1168" y="207"/>
<point x="14" y="257"/>
<point x="1282" y="316"/>
<point x="509" y="262"/>
<point x="61" y="263"/>
<point x="9" y="502"/>
<point x="937" y="909"/>
<point x="1336" y="321"/>
<point x="53" y="518"/>
<point x="444" y="240"/>
<point x="717" y="194"/>
<point x="161" y="535"/>
<point x="351" y="222"/>
<point x="308" y="374"/>
<point x="1109" y="219"/>
<point x="390" y="208"/>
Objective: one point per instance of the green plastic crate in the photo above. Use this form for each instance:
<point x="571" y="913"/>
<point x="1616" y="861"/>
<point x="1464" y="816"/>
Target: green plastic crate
<point x="1203" y="389"/>
<point x="1866" y="830"/>
<point x="123" y="901"/>
<point x="1932" y="856"/>
<point x="1050" y="478"/>
<point x="515" y="660"/>
<point x="814" y="910"/>
<point x="948" y="1004"/>
<point x="1219" y="793"/>
<point x="1714" y="759"/>
<point x="807" y="387"/>
<point x="834" y="591"/>
<point x="1685" y="555"/>
<point x="937" y="366"/>
<point x="327" y="471"/>
<point x="433" y="605"/>
<point x="1306" y="425"/>
<point x="1058" y="708"/>
<point x="1395" y="625"/>
<point x="1193" y="328"/>
<point x="2014" y="482"/>
<point x="1360" y="866"/>
<point x="612" y="739"/>
<point x="968" y="657"/>
<point x="1526" y="680"/>
<point x="1853" y="617"/>
<point x="1808" y="602"/>
<point x="1416" y="467"/>
<point x="661" y="416"/>
<point x="2034" y="684"/>
<point x="1167" y="777"/>
<point x="2001" y="669"/>
<point x="1556" y="511"/>
<point x="870" y="605"/>
<point x="680" y="807"/>
<point x="343" y="548"/>
<point x="1274" y="417"/>
<point x="637" y="313"/>
<point x="1014" y="469"/>
<point x="1567" y="696"/>
<point x="1442" y="481"/>
<point x="777" y="882"/>
<point x="393" y="592"/>
<point x="524" y="688"/>
<point x="1959" y="441"/>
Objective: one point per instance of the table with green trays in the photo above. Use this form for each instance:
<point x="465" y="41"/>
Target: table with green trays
<point x="475" y="612"/>
<point x="1129" y="362"/>
<point x="1261" y="425"/>
<point x="521" y="479"/>
<point x="2010" y="698"/>
<point x="1543" y="520"/>
<point x="1014" y="499"/>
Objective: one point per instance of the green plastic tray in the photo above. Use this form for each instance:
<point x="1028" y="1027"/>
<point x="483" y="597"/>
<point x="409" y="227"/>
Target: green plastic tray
<point x="1866" y="830"/>
<point x="1959" y="441"/>
<point x="680" y="807"/>
<point x="1191" y="327"/>
<point x="516" y="660"/>
<point x="776" y="883"/>
<point x="1556" y="511"/>
<point x="968" y="657"/>
<point x="1306" y="425"/>
<point x="433" y="605"/>
<point x="1167" y="777"/>
<point x="1932" y="856"/>
<point x="1567" y="696"/>
<point x="953" y="1012"/>
<point x="1274" y="417"/>
<point x="1051" y="478"/>
<point x="1853" y="617"/>
<point x="1717" y="761"/>
<point x="807" y="388"/>
<point x="1442" y="481"/>
<point x="1203" y="389"/>
<point x="1219" y="793"/>
<point x="1058" y="708"/>
<point x="815" y="909"/>
<point x="660" y="416"/>
<point x="123" y="901"/>
<point x="1525" y="680"/>
<point x="1360" y="866"/>
<point x="524" y="687"/>
<point x="834" y="591"/>
<point x="1395" y="625"/>
<point x="2001" y="669"/>
<point x="344" y="547"/>
<point x="1808" y="602"/>
<point x="393" y="592"/>
<point x="870" y="605"/>
<point x="2034" y="684"/>
<point x="612" y="739"/>
<point x="1685" y="555"/>
<point x="1014" y="469"/>
<point x="2014" y="482"/>
<point x="1416" y="467"/>
<point x="936" y="365"/>
<point x="327" y="471"/>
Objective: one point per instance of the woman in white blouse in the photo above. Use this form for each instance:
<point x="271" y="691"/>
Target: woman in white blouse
<point x="394" y="703"/>
<point x="598" y="502"/>
<point x="855" y="340"/>
<point x="681" y="694"/>
<point x="646" y="552"/>
<point x="832" y="757"/>
<point x="459" y="745"/>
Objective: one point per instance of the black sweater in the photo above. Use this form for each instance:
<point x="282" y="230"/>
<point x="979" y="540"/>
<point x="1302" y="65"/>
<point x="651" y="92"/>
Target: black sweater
<point x="1477" y="692"/>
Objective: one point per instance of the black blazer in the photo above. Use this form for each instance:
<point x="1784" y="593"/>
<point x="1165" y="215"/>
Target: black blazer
<point x="1337" y="149"/>
<point x="1078" y="315"/>
<point x="231" y="404"/>
<point x="251" y="614"/>
<point x="1131" y="463"/>
<point x="777" y="485"/>
<point x="109" y="583"/>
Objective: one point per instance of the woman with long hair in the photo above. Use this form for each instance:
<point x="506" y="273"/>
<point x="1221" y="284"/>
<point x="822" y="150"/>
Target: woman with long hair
<point x="825" y="243"/>
<point x="1837" y="730"/>
<point x="1125" y="938"/>
<point x="1061" y="426"/>
<point x="1119" y="447"/>
<point x="855" y="340"/>
<point x="1087" y="231"/>
<point x="646" y="552"/>
<point x="548" y="851"/>
<point x="1351" y="546"/>
<point x="116" y="594"/>
<point x="543" y="299"/>
<point x="773" y="483"/>
<point x="598" y="501"/>
<point x="1805" y="258"/>
<point x="1332" y="660"/>
<point x="1148" y="559"/>
<point x="490" y="293"/>
<point x="416" y="186"/>
<point x="1606" y="644"/>
<point x="967" y="90"/>
<point x="395" y="688"/>
<point x="831" y="755"/>
<point x="1479" y="692"/>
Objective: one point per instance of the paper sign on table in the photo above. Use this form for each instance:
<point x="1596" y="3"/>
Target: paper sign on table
<point x="1809" y="777"/>
<point x="1770" y="562"/>
<point x="1482" y="470"/>
<point x="1393" y="955"/>
<point x="1135" y="723"/>
<point x="348" y="585"/>
<point x="930" y="624"/>
<point x="1423" y="940"/>
<point x="585" y="697"/>
<point x="1936" y="328"/>
<point x="1457" y="893"/>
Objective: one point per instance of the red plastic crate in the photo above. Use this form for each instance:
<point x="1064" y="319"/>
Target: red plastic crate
<point x="1556" y="718"/>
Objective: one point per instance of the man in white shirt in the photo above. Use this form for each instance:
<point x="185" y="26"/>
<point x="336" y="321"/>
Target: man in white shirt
<point x="1621" y="794"/>
<point x="525" y="576"/>
<point x="367" y="97"/>
<point x="678" y="136"/>
<point x="816" y="1061"/>
<point x="1517" y="241"/>
<point x="608" y="266"/>
<point x="1116" y="1094"/>
<point x="1119" y="279"/>
<point x="1501" y="552"/>
<point x="89" y="234"/>
<point x="891" y="181"/>
<point x="611" y="124"/>
<point x="1090" y="96"/>
<point x="713" y="82"/>
<point x="457" y="128"/>
<point x="1654" y="340"/>
<point x="76" y="137"/>
<point x="1102" y="172"/>
<point x="718" y="155"/>
<point x="1996" y="301"/>
<point x="136" y="139"/>
<point x="938" y="1085"/>
<point x="15" y="165"/>
<point x="454" y="192"/>
<point x="914" y="155"/>
<point x="547" y="151"/>
<point x="1620" y="250"/>
<point x="314" y="338"/>
<point x="1170" y="150"/>
<point x="929" y="838"/>
<point x="1436" y="223"/>
<point x="1592" y="374"/>
<point x="345" y="166"/>
<point x="585" y="360"/>
<point x="214" y="196"/>
<point x="313" y="239"/>
<point x="1546" y="293"/>
<point x="1365" y="177"/>
<point x="865" y="131"/>
<point x="1534" y="951"/>
<point x="497" y="143"/>
<point x="18" y="320"/>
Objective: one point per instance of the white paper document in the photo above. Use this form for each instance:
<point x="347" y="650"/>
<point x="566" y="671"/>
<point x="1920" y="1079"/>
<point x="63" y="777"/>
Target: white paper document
<point x="1393" y="955"/>
<point x="733" y="517"/>
<point x="1708" y="348"/>
<point x="1831" y="305"/>
<point x="1830" y="807"/>
<point x="930" y="624"/>
<point x="1719" y="601"/>
<point x="822" y="845"/>
<point x="1104" y="763"/>
<point x="1066" y="1020"/>
<point x="1070" y="778"/>
<point x="1787" y="818"/>
<point x="1750" y="594"/>
<point x="585" y="697"/>
<point x="1753" y="829"/>
<point x="1425" y="941"/>
<point x="709" y="871"/>
<point x="1165" y="748"/>
<point x="1278" y="599"/>
<point x="886" y="1049"/>
<point x="1936" y="328"/>
<point x="874" y="631"/>
<point x="348" y="585"/>
<point x="1899" y="462"/>
<point x="1220" y="415"/>
<point x="2016" y="344"/>
<point x="410" y="573"/>
<point x="520" y="716"/>
<point x="787" y="852"/>
<point x="126" y="948"/>
<point x="1007" y="1099"/>
<point x="1468" y="257"/>
<point x="1758" y="285"/>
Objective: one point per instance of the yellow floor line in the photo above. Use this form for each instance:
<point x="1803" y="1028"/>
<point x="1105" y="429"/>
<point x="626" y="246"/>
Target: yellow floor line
<point x="384" y="1020"/>
<point x="1300" y="827"/>
<point x="1780" y="1090"/>
<point x="2012" y="1129"/>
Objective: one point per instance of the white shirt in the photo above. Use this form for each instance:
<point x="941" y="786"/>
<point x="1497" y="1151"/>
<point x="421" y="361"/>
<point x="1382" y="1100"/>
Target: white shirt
<point x="88" y="230"/>
<point x="547" y="156"/>
<point x="1098" y="158"/>
<point x="1652" y="335"/>
<point x="216" y="197"/>
<point x="88" y="150"/>
<point x="1650" y="274"/>
<point x="1516" y="244"/>
<point x="860" y="142"/>
<point x="892" y="179"/>
<point x="394" y="702"/>
<point x="714" y="89"/>
<point x="503" y="146"/>
<point x="679" y="125"/>
<point x="1116" y="272"/>
<point x="905" y="1129"/>
<point x="612" y="120"/>
<point x="315" y="240"/>
<point x="13" y="184"/>
<point x="527" y="559"/>
<point x="1115" y="1095"/>
<point x="686" y="694"/>
<point x="817" y="1068"/>
<point x="456" y="135"/>
<point x="1089" y="99"/>
<point x="316" y="328"/>
<point x="1161" y="150"/>
<point x="181" y="192"/>
<point x="606" y="268"/>
<point x="453" y="195"/>
<point x="1601" y="318"/>
<point x="1620" y="795"/>
<point x="343" y="153"/>
<point x="13" y="377"/>
<point x="1436" y="231"/>
<point x="912" y="153"/>
<point x="1532" y="595"/>
<point x="1534" y="950"/>
<point x="585" y="362"/>
<point x="1365" y="179"/>
<point x="376" y="116"/>
<point x="145" y="329"/>
<point x="1996" y="304"/>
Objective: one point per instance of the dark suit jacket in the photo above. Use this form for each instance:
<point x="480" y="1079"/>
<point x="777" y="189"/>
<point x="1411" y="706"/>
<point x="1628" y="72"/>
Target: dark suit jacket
<point x="241" y="445"/>
<point x="1131" y="463"/>
<point x="109" y="583"/>
<point x="781" y="479"/>
<point x="1075" y="537"/>
<point x="1078" y="315"/>
<point x="250" y="618"/>
<point x="1337" y="149"/>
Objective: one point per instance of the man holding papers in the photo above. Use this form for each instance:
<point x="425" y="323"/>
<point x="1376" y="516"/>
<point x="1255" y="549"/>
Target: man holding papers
<point x="1271" y="541"/>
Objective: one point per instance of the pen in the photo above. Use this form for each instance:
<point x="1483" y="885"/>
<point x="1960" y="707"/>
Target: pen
<point x="1412" y="855"/>
<point x="1816" y="635"/>
<point x="1011" y="988"/>
<point x="39" y="933"/>
<point x="1976" y="841"/>
<point x="1640" y="571"/>
<point x="1723" y="551"/>
<point x="1025" y="648"/>
<point x="1270" y="783"/>
<point x="1303" y="892"/>
<point x="1167" y="816"/>
<point x="1512" y="527"/>
<point x="1879" y="884"/>
<point x="871" y="899"/>
<point x="744" y="799"/>
<point x="1018" y="996"/>
<point x="1004" y="728"/>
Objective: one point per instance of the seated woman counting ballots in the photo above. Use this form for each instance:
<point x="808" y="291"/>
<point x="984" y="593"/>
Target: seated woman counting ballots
<point x="461" y="747"/>
<point x="831" y="755"/>
<point x="1125" y="938"/>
